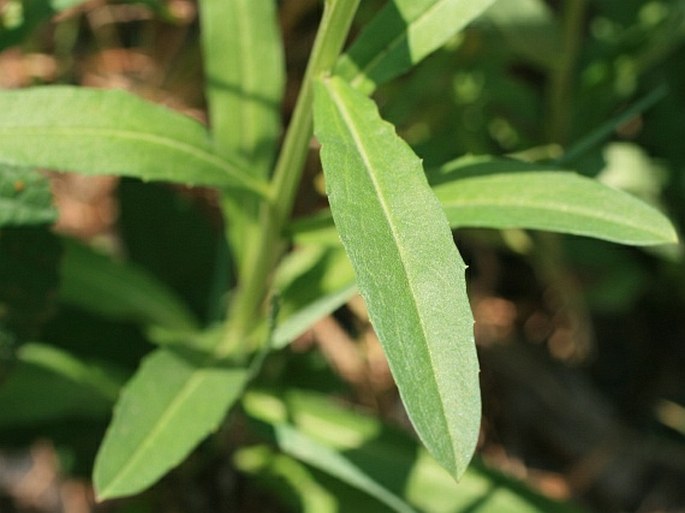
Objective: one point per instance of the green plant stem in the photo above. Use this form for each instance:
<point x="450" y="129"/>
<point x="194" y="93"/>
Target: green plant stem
<point x="243" y="314"/>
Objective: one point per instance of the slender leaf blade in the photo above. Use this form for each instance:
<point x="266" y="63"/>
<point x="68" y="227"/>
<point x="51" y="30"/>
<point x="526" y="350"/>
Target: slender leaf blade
<point x="245" y="78"/>
<point x="403" y="33"/>
<point x="100" y="132"/>
<point x="506" y="195"/>
<point x="530" y="29"/>
<point x="407" y="267"/>
<point x="485" y="192"/>
<point x="312" y="282"/>
<point x="299" y="445"/>
<point x="394" y="461"/>
<point x="25" y="197"/>
<point x="170" y="405"/>
<point x="48" y="383"/>
<point x="120" y="290"/>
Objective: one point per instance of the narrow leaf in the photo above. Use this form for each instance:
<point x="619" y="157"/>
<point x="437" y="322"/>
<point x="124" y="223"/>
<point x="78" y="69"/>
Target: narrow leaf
<point x="403" y="33"/>
<point x="25" y="197"/>
<point x="308" y="450"/>
<point x="170" y="405"/>
<point x="100" y="132"/>
<point x="486" y="195"/>
<point x="393" y="460"/>
<point x="312" y="283"/>
<point x="408" y="269"/>
<point x="283" y="475"/>
<point x="48" y="384"/>
<point x="245" y="78"/>
<point x="120" y="290"/>
<point x="530" y="29"/>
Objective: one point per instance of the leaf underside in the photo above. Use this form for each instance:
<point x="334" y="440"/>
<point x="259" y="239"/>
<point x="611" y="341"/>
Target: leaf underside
<point x="407" y="269"/>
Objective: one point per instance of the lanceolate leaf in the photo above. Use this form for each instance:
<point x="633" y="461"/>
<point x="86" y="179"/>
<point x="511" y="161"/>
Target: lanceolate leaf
<point x="312" y="282"/>
<point x="407" y="268"/>
<point x="318" y="455"/>
<point x="483" y="194"/>
<point x="393" y="460"/>
<point x="110" y="132"/>
<point x="25" y="197"/>
<point x="530" y="29"/>
<point x="402" y="34"/>
<point x="120" y="290"/>
<point x="243" y="58"/>
<point x="245" y="78"/>
<point x="47" y="383"/>
<point x="170" y="405"/>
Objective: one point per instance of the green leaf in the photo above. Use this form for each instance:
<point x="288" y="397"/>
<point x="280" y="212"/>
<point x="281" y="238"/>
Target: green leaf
<point x="99" y="132"/>
<point x="408" y="269"/>
<point x="25" y="197"/>
<point x="403" y="33"/>
<point x="312" y="283"/>
<point x="170" y="405"/>
<point x="317" y="230"/>
<point x="481" y="193"/>
<point x="50" y="384"/>
<point x="393" y="460"/>
<point x="118" y="290"/>
<point x="530" y="29"/>
<point x="245" y="78"/>
<point x="308" y="450"/>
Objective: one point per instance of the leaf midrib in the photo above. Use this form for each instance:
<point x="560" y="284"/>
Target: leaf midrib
<point x="367" y="163"/>
<point x="232" y="170"/>
<point x="178" y="400"/>
<point x="545" y="207"/>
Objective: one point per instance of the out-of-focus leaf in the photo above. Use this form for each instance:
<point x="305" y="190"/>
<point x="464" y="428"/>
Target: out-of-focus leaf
<point x="29" y="260"/>
<point x="290" y="479"/>
<point x="176" y="239"/>
<point x="100" y="132"/>
<point x="395" y="460"/>
<point x="403" y="33"/>
<point x="312" y="282"/>
<point x="546" y="200"/>
<point x="317" y="230"/>
<point x="245" y="79"/>
<point x="243" y="58"/>
<point x="629" y="168"/>
<point x="18" y="18"/>
<point x="606" y="129"/>
<point x="48" y="383"/>
<point x="408" y="269"/>
<point x="530" y="28"/>
<point x="329" y="460"/>
<point x="25" y="197"/>
<point x="171" y="404"/>
<point x="123" y="291"/>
